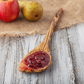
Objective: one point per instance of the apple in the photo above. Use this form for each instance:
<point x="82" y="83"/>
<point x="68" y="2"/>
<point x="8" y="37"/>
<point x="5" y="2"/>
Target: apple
<point x="9" y="10"/>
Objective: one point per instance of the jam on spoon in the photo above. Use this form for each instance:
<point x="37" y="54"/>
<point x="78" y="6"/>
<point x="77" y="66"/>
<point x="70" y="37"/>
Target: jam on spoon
<point x="39" y="58"/>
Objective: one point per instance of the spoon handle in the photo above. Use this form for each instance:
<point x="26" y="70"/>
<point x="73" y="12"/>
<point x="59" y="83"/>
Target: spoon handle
<point x="52" y="27"/>
<point x="43" y="46"/>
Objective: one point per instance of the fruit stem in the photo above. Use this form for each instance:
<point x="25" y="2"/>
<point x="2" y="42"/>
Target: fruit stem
<point x="21" y="4"/>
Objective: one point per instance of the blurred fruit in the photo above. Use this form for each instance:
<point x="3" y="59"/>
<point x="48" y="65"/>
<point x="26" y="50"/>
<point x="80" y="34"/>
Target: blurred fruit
<point x="9" y="10"/>
<point x="31" y="10"/>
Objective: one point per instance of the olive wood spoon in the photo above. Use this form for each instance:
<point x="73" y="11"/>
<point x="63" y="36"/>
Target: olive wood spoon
<point x="30" y="62"/>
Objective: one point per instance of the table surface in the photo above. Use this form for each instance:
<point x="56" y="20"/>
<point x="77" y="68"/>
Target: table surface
<point x="67" y="50"/>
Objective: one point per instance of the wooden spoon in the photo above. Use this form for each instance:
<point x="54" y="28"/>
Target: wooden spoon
<point x="39" y="58"/>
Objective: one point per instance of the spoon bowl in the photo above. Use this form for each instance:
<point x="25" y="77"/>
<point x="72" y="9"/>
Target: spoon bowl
<point x="39" y="58"/>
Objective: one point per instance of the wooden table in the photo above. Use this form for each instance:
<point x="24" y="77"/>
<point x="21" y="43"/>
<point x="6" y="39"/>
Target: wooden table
<point x="67" y="50"/>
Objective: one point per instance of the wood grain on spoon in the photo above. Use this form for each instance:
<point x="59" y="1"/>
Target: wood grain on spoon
<point x="42" y="47"/>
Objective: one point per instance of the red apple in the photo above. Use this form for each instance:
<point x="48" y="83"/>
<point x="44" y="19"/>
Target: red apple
<point x="9" y="10"/>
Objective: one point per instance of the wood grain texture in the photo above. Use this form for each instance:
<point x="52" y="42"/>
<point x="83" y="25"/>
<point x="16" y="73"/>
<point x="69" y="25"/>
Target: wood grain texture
<point x="76" y="41"/>
<point x="12" y="51"/>
<point x="67" y="50"/>
<point x="63" y="70"/>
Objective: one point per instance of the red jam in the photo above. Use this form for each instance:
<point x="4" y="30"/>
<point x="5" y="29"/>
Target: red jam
<point x="37" y="60"/>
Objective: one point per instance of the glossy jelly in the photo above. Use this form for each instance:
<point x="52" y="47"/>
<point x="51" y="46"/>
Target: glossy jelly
<point x="37" y="60"/>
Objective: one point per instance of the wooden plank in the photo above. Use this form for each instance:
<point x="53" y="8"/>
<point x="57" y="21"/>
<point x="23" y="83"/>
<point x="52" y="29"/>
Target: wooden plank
<point x="4" y="43"/>
<point x="60" y="71"/>
<point x="62" y="62"/>
<point x="76" y="41"/>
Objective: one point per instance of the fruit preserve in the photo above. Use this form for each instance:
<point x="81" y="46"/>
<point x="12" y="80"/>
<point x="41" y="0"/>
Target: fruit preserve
<point x="37" y="60"/>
